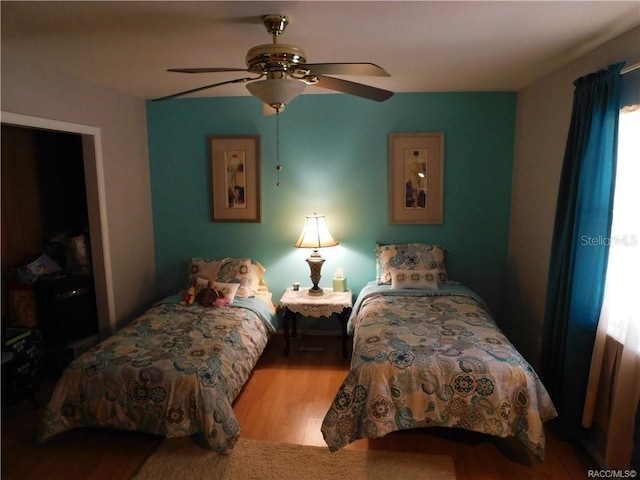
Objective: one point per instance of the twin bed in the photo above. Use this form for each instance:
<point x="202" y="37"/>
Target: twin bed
<point x="175" y="370"/>
<point x="426" y="353"/>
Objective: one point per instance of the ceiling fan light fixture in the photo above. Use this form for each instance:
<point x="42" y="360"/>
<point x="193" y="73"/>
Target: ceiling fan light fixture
<point x="287" y="72"/>
<point x="276" y="92"/>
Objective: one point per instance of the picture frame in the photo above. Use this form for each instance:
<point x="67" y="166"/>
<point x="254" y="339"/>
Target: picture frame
<point x="416" y="178"/>
<point x="235" y="177"/>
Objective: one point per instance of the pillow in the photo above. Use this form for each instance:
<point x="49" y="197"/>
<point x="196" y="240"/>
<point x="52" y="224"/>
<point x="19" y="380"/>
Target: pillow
<point x="419" y="278"/>
<point x="411" y="256"/>
<point x="229" y="290"/>
<point x="244" y="271"/>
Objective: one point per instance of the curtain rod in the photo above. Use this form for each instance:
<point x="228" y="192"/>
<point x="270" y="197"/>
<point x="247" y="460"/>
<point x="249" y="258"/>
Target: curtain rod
<point x="630" y="68"/>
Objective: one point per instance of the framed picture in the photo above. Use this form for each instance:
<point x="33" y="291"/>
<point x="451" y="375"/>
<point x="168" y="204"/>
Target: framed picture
<point x="416" y="178"/>
<point x="235" y="177"/>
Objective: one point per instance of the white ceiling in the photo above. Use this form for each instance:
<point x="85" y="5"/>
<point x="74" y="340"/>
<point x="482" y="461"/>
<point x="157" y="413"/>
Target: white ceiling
<point x="425" y="46"/>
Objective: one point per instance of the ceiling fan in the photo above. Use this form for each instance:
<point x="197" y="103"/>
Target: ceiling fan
<point x="283" y="72"/>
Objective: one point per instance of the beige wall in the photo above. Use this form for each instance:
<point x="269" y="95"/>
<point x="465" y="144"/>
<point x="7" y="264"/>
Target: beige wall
<point x="543" y="116"/>
<point x="120" y="121"/>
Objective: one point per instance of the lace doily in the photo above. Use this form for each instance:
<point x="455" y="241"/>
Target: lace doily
<point x="316" y="306"/>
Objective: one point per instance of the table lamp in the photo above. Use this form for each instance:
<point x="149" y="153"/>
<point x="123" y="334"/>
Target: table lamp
<point x="315" y="234"/>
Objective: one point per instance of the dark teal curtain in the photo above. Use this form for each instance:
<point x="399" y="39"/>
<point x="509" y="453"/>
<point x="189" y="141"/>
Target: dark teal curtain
<point x="580" y="245"/>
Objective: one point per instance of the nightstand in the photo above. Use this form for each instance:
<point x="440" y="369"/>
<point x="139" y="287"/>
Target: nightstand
<point x="294" y="302"/>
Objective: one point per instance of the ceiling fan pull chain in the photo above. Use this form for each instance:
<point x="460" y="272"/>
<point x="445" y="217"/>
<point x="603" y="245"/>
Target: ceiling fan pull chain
<point x="278" y="166"/>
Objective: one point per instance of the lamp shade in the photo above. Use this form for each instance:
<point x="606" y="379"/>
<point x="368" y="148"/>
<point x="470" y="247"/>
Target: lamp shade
<point x="276" y="92"/>
<point x="315" y="233"/>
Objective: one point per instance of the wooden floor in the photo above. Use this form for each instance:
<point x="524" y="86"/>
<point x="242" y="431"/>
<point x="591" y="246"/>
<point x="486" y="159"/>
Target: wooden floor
<point x="285" y="400"/>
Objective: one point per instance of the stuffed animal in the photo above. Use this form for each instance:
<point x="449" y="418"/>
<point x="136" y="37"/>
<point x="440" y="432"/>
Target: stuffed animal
<point x="204" y="293"/>
<point x="210" y="297"/>
<point x="189" y="295"/>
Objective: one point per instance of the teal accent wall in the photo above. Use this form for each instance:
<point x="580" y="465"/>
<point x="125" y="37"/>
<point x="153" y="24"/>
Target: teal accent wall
<point x="334" y="152"/>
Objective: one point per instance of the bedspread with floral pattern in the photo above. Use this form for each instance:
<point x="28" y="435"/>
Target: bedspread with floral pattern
<point x="174" y="372"/>
<point x="434" y="358"/>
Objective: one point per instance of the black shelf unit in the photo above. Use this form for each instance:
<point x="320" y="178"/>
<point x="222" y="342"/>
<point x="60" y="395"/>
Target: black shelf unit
<point x="67" y="314"/>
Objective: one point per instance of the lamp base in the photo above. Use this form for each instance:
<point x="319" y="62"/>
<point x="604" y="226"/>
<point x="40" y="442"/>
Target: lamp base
<point x="315" y="291"/>
<point x="315" y="262"/>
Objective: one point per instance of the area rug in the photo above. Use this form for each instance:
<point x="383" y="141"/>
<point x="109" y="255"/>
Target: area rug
<point x="182" y="459"/>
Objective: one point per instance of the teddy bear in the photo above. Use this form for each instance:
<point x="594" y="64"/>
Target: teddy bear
<point x="209" y="297"/>
<point x="189" y="295"/>
<point x="205" y="294"/>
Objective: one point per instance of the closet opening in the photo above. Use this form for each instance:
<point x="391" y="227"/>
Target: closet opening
<point x="55" y="277"/>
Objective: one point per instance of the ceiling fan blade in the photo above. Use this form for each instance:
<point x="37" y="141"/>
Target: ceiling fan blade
<point x="370" y="69"/>
<point x="353" y="88"/>
<point x="186" y="92"/>
<point x="206" y="70"/>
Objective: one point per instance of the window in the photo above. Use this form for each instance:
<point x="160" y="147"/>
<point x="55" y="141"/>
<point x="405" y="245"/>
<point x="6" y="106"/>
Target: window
<point x="623" y="271"/>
